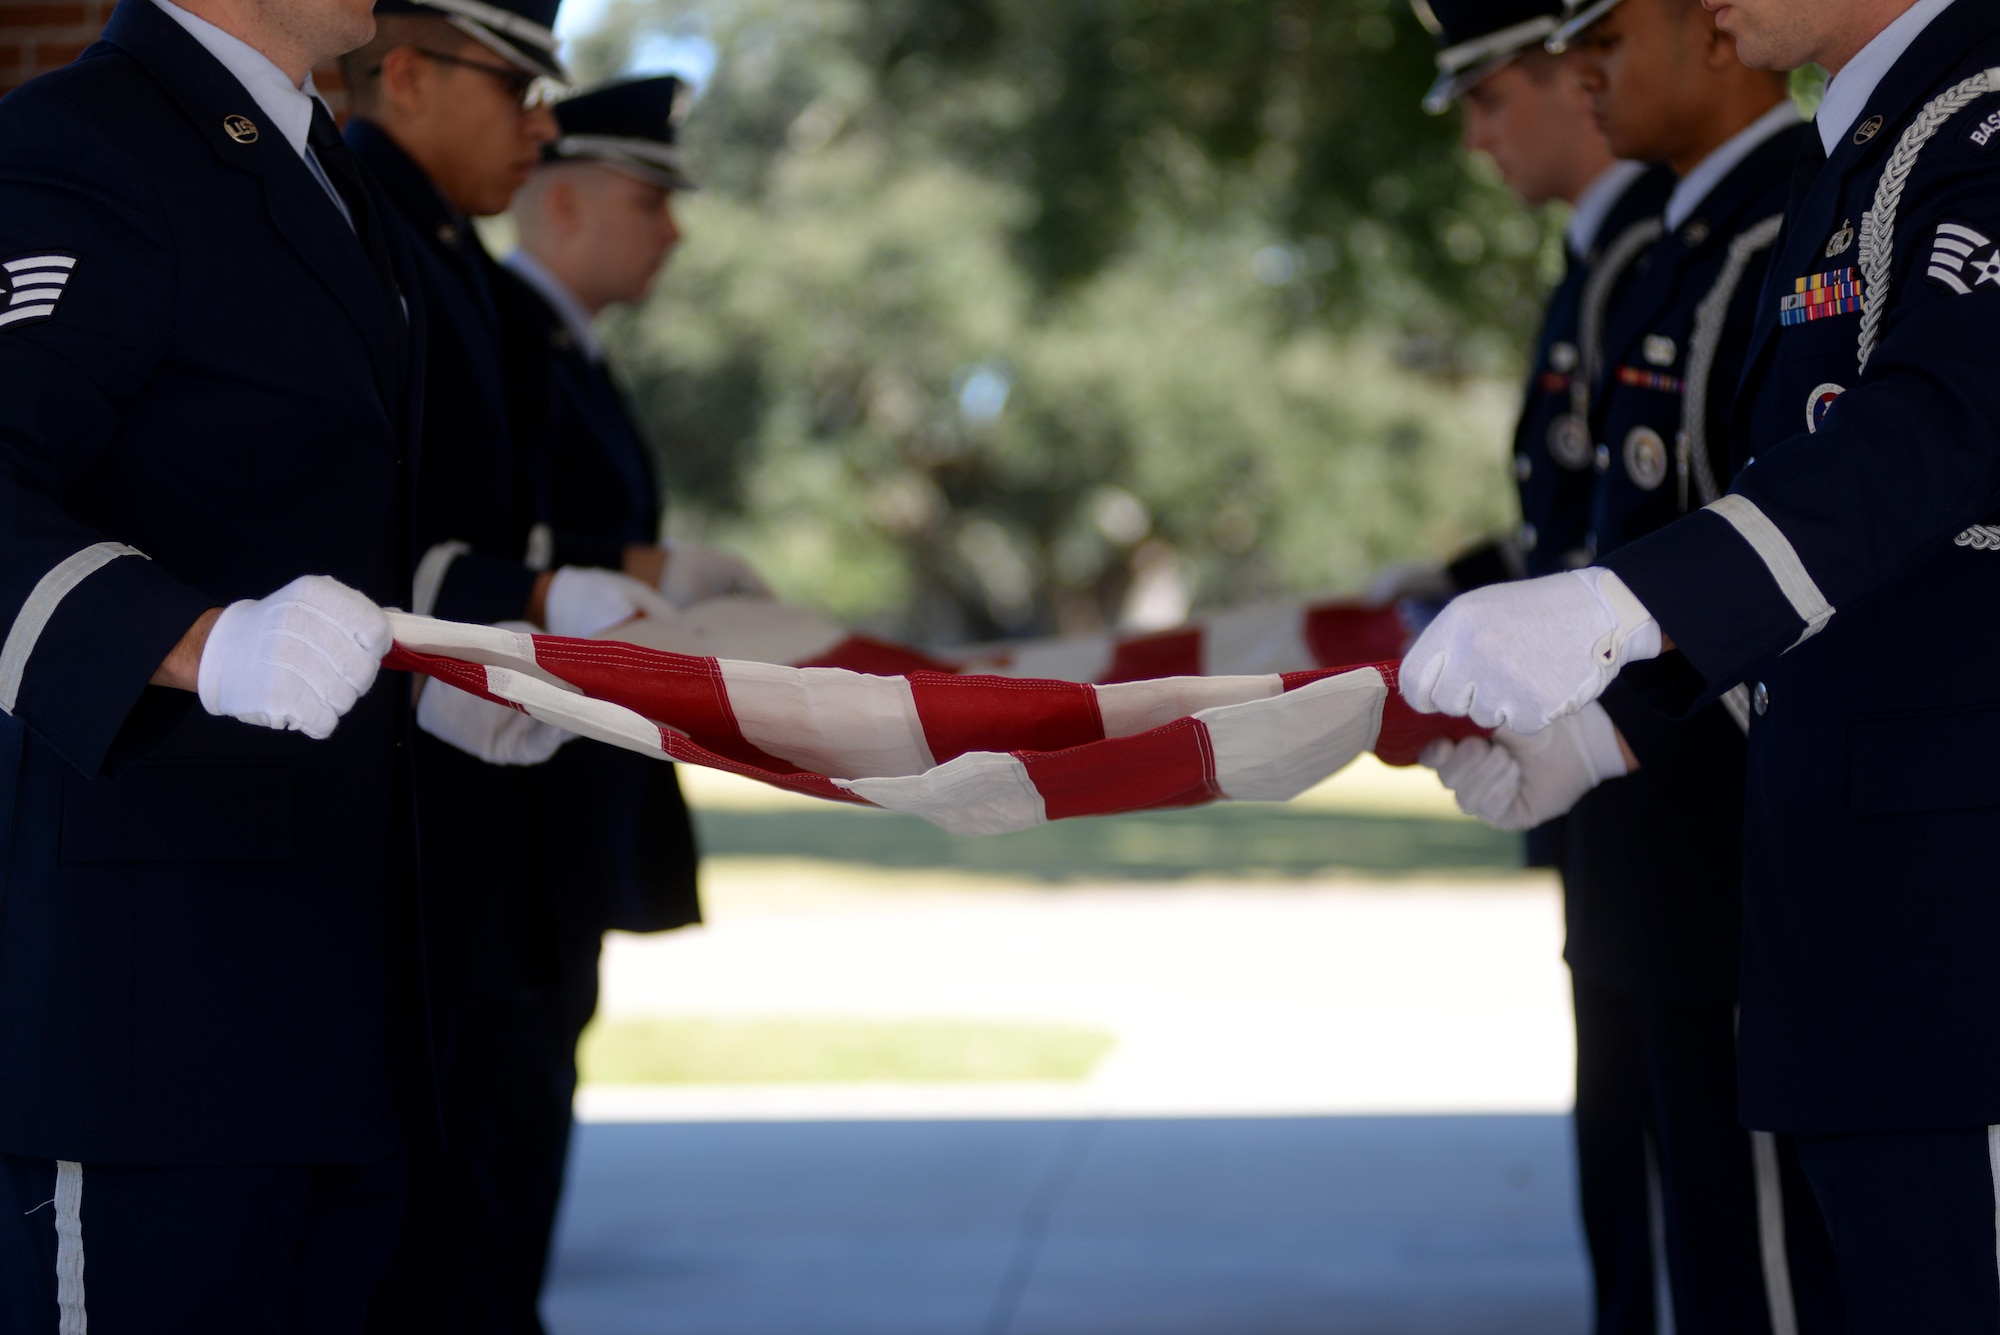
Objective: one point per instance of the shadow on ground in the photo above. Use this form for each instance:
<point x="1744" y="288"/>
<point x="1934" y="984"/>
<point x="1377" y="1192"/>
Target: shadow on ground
<point x="1233" y="840"/>
<point x="1327" y="1226"/>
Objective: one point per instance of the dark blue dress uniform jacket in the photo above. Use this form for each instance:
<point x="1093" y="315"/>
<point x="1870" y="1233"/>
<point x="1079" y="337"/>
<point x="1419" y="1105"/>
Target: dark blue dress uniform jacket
<point x="487" y="914"/>
<point x="1846" y="574"/>
<point x="629" y="850"/>
<point x="1653" y="863"/>
<point x="203" y="925"/>
<point x="1552" y="459"/>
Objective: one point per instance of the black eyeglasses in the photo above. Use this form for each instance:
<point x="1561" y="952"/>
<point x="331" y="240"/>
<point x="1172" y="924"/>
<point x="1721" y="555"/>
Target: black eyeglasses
<point x="530" y="90"/>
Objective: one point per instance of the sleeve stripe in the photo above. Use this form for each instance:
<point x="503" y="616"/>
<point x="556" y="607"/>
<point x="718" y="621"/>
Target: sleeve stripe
<point x="1775" y="550"/>
<point x="429" y="579"/>
<point x="47" y="596"/>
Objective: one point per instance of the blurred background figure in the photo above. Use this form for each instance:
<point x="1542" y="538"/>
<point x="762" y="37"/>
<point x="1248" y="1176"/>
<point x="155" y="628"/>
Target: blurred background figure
<point x="596" y="224"/>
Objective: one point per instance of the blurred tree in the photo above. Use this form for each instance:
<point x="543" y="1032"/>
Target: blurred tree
<point x="1000" y="316"/>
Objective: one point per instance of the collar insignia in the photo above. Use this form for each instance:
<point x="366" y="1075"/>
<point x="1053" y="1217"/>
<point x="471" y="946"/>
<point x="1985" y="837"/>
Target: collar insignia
<point x="240" y="128"/>
<point x="1868" y="130"/>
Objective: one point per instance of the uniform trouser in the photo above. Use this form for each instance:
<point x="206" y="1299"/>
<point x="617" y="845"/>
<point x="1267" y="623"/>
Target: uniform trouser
<point x="1656" y="1126"/>
<point x="118" y="1250"/>
<point x="474" y="1252"/>
<point x="1913" y="1220"/>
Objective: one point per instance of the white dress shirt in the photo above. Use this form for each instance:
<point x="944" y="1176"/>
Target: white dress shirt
<point x="287" y="107"/>
<point x="1594" y="205"/>
<point x="1847" y="96"/>
<point x="1700" y="183"/>
<point x="574" y="317"/>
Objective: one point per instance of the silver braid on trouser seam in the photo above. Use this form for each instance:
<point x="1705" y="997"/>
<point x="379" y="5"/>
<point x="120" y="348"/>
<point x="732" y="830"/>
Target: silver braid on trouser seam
<point x="1878" y="225"/>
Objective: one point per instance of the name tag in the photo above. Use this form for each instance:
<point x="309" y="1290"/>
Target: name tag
<point x="1985" y="135"/>
<point x="1822" y="296"/>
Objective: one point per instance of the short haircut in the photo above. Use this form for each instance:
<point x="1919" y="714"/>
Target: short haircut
<point x="363" y="68"/>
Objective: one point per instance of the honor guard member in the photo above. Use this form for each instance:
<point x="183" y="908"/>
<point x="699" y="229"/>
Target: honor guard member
<point x="1847" y="580"/>
<point x="596" y="223"/>
<point x="1524" y="111"/>
<point x="451" y="117"/>
<point x="206" y="906"/>
<point x="1652" y="863"/>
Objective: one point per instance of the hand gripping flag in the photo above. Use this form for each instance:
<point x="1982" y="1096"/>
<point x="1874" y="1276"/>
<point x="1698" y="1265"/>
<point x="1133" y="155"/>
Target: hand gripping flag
<point x="974" y="754"/>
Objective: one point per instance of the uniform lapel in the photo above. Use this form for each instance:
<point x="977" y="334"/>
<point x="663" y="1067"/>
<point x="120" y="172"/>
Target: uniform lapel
<point x="299" y="208"/>
<point x="1911" y="82"/>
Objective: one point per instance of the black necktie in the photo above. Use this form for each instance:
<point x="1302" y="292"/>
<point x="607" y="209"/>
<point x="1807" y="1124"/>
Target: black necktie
<point x="344" y="170"/>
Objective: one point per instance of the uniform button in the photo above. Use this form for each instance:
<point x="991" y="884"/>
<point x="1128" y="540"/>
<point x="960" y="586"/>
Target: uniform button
<point x="1603" y="458"/>
<point x="1760" y="699"/>
<point x="1530" y="538"/>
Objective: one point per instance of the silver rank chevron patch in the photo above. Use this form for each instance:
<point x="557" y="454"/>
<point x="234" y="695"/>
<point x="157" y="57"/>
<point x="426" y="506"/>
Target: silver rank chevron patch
<point x="33" y="285"/>
<point x="1961" y="253"/>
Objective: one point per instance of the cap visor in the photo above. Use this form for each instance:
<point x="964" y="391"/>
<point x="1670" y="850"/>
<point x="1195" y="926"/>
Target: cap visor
<point x="1579" y="23"/>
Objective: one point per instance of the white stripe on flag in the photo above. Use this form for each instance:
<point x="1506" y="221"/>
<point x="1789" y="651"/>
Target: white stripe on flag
<point x="1083" y="658"/>
<point x="828" y="720"/>
<point x="1273" y="750"/>
<point x="1133" y="707"/>
<point x="566" y="708"/>
<point x="981" y="792"/>
<point x="1269" y="637"/>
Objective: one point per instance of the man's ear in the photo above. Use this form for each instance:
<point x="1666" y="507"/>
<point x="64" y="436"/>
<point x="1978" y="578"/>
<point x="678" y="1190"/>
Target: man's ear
<point x="405" y="81"/>
<point x="563" y="205"/>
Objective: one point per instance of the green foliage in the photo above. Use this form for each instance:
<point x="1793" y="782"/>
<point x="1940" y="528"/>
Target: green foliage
<point x="674" y="1051"/>
<point x="992" y="309"/>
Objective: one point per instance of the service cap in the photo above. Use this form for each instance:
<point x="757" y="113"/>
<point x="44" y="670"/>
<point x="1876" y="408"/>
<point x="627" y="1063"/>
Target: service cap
<point x="631" y="124"/>
<point x="521" y="30"/>
<point x="1578" y="15"/>
<point x="1478" y="38"/>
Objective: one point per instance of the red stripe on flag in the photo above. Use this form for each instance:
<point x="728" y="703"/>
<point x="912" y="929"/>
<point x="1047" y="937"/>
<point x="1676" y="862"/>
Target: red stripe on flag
<point x="878" y="658"/>
<point x="1405" y="732"/>
<point x="1341" y="633"/>
<point x="686" y="692"/>
<point x="1173" y="766"/>
<point x="962" y="714"/>
<point x="1173" y="653"/>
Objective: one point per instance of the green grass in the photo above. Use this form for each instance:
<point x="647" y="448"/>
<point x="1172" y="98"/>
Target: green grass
<point x="1222" y="840"/>
<point x="662" y="1051"/>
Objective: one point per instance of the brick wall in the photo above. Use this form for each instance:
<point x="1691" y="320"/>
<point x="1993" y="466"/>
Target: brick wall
<point x="36" y="35"/>
<point x="40" y="35"/>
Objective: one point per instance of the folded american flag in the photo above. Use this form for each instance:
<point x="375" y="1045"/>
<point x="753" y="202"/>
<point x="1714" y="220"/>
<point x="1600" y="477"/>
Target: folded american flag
<point x="974" y="754"/>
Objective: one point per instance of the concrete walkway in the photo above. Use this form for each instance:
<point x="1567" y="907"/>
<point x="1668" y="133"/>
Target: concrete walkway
<point x="1389" y="1226"/>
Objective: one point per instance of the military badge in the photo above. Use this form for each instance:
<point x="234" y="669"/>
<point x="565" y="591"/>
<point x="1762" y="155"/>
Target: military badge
<point x="1819" y="403"/>
<point x="1569" y="442"/>
<point x="1841" y="240"/>
<point x="1659" y="350"/>
<point x="1956" y="257"/>
<point x="1869" y="129"/>
<point x="32" y="286"/>
<point x="1646" y="458"/>
<point x="240" y="128"/>
<point x="1562" y="358"/>
<point x="1836" y="292"/>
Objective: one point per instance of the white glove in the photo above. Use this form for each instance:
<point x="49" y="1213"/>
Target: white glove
<point x="584" y="601"/>
<point x="1523" y="655"/>
<point x="297" y="660"/>
<point x="695" y="574"/>
<point x="1517" y="783"/>
<point x="1412" y="579"/>
<point x="496" y="734"/>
